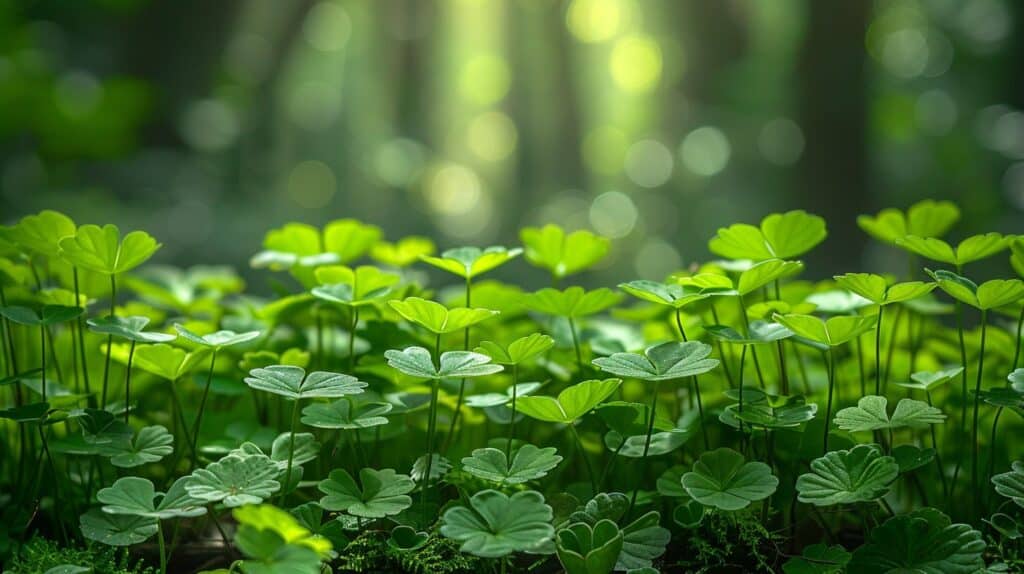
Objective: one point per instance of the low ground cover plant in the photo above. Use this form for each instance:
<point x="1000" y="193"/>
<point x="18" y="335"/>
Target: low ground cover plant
<point x="737" y="416"/>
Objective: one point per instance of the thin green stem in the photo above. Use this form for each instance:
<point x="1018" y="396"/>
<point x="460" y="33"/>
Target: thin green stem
<point x="160" y="543"/>
<point x="583" y="455"/>
<point x="198" y="426"/>
<point x="512" y="421"/>
<point x="722" y="348"/>
<point x="938" y="458"/>
<point x="576" y="345"/>
<point x="42" y="359"/>
<point x="1016" y="347"/>
<point x="352" y="341"/>
<point x="647" y="445"/>
<point x="431" y="421"/>
<point x="828" y="407"/>
<point x="891" y="348"/>
<point x="128" y="382"/>
<point x="291" y="451"/>
<point x="110" y="341"/>
<point x="878" y="351"/>
<point x="977" y="402"/>
<point x="81" y="339"/>
<point x="992" y="446"/>
<point x="457" y="415"/>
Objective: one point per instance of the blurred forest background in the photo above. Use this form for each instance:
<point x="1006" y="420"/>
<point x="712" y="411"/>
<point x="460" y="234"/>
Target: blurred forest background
<point x="653" y="122"/>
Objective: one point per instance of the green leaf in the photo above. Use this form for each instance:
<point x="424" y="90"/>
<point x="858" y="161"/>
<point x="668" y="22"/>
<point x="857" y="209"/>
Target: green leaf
<point x="562" y="254"/>
<point x="723" y="479"/>
<point x="104" y="251"/>
<point x="528" y="463"/>
<point x="586" y="549"/>
<point x="573" y="302"/>
<point x="116" y="529"/>
<point x="382" y="492"/>
<point x="306" y="449"/>
<point x="781" y="235"/>
<point x="924" y="540"/>
<point x="235" y="480"/>
<point x="496" y="525"/>
<point x="571" y="404"/>
<point x="437" y="318"/>
<point x="41" y="233"/>
<point x="470" y="262"/>
<point x="217" y="339"/>
<point x="266" y="517"/>
<point x="349" y="239"/>
<point x="407" y="538"/>
<point x="1011" y="484"/>
<point x="675" y="295"/>
<point x="403" y="252"/>
<point x="662" y="442"/>
<point x="818" y="559"/>
<point x="989" y="295"/>
<point x="643" y="540"/>
<point x="47" y="315"/>
<point x="832" y="332"/>
<point x="630" y="419"/>
<point x="102" y="427"/>
<point x="877" y="290"/>
<point x="487" y="400"/>
<point x="765" y="272"/>
<point x="778" y="413"/>
<point x="136" y="496"/>
<point x="870" y="415"/>
<point x="130" y="328"/>
<point x="347" y="414"/>
<point x="910" y="457"/>
<point x="151" y="444"/>
<point x="417" y="362"/>
<point x="167" y="362"/>
<point x="518" y="351"/>
<point x="759" y="333"/>
<point x="928" y="380"/>
<point x="689" y="514"/>
<point x="837" y="301"/>
<point x="971" y="249"/>
<point x="664" y="362"/>
<point x="30" y="413"/>
<point x="310" y="516"/>
<point x="927" y="218"/>
<point x="861" y="474"/>
<point x="353" y="287"/>
<point x="293" y="383"/>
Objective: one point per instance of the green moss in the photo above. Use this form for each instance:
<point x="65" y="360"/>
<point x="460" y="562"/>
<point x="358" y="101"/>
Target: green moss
<point x="40" y="554"/>
<point x="370" y="552"/>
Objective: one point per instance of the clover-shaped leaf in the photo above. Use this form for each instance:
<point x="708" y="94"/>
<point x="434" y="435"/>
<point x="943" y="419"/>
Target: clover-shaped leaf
<point x="586" y="549"/>
<point x="562" y="254"/>
<point x="235" y="480"/>
<point x="437" y="318"/>
<point x="306" y="449"/>
<point x="41" y="233"/>
<point x="761" y="411"/>
<point x="927" y="218"/>
<point x="1011" y="484"/>
<point x="353" y="287"/>
<point x="989" y="295"/>
<point x="971" y="249"/>
<point x="469" y="262"/>
<point x="129" y="328"/>
<point x="832" y="332"/>
<point x="163" y="360"/>
<point x="293" y="383"/>
<point x="723" y="479"/>
<point x="151" y="444"/>
<point x="571" y="404"/>
<point x="765" y="272"/>
<point x="116" y="529"/>
<point x="634" y="446"/>
<point x="630" y="419"/>
<point x="496" y="524"/>
<point x="347" y="414"/>
<point x="870" y="415"/>
<point x="403" y="252"/>
<point x="407" y="538"/>
<point x="663" y="362"/>
<point x="781" y="235"/>
<point x="381" y="493"/>
<point x="759" y="333"/>
<point x="136" y="496"/>
<point x="518" y="351"/>
<point x="217" y="339"/>
<point x="417" y="362"/>
<point x="924" y="540"/>
<point x="103" y="250"/>
<point x="270" y="518"/>
<point x="487" y="400"/>
<point x="847" y="476"/>
<point x="876" y="289"/>
<point x="928" y="380"/>
<point x="102" y="427"/>
<point x="528" y="463"/>
<point x="45" y="316"/>
<point x="573" y="302"/>
<point x="349" y="239"/>
<point x="818" y="559"/>
<point x="676" y="295"/>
